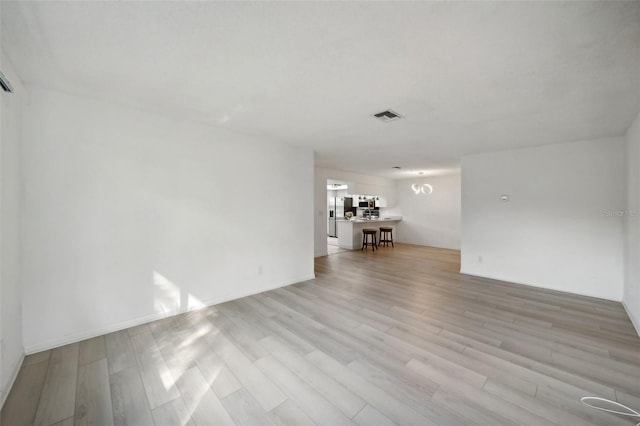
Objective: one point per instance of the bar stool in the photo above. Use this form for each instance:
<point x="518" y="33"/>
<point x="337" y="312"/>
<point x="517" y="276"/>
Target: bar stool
<point x="386" y="236"/>
<point x="369" y="237"/>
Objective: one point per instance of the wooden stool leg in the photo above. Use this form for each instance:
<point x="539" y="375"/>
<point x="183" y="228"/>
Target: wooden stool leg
<point x="364" y="241"/>
<point x="386" y="237"/>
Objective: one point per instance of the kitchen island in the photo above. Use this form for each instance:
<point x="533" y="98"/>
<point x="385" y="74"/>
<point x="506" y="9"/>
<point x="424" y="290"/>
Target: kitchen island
<point x="350" y="231"/>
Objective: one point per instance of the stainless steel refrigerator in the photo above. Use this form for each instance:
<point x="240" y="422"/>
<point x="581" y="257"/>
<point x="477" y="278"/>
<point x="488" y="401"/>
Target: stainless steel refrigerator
<point x="336" y="211"/>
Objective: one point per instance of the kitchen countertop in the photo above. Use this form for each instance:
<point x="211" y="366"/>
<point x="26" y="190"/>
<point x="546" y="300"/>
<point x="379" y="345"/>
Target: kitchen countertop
<point x="350" y="231"/>
<point x="382" y="219"/>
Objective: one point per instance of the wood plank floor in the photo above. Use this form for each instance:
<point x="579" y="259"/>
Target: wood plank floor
<point x="392" y="337"/>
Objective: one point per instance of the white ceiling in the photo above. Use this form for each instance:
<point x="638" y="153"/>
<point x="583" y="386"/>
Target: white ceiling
<point x="469" y="77"/>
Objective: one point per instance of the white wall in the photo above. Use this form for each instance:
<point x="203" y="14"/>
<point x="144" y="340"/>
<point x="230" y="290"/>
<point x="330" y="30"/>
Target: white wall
<point x="130" y="216"/>
<point x="11" y="345"/>
<point x="560" y="229"/>
<point x="429" y="219"/>
<point x="358" y="184"/>
<point x="631" y="298"/>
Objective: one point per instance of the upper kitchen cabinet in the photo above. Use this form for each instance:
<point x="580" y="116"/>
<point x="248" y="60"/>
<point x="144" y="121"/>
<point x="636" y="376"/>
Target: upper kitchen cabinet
<point x="381" y="202"/>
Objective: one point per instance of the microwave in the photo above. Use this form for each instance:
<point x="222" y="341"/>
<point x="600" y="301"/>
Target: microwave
<point x="364" y="204"/>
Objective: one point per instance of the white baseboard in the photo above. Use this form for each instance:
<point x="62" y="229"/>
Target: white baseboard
<point x="9" y="384"/>
<point x="536" y="285"/>
<point x="77" y="337"/>
<point x="400" y="240"/>
<point x="635" y="321"/>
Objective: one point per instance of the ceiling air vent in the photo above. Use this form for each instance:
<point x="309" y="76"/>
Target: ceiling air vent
<point x="387" y="116"/>
<point x="4" y="83"/>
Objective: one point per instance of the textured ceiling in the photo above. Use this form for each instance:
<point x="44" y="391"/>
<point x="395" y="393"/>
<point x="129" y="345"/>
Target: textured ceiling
<point x="469" y="77"/>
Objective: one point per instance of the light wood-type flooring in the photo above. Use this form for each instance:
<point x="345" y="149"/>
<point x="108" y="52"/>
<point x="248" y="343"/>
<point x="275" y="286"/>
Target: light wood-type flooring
<point x="392" y="337"/>
<point x="333" y="247"/>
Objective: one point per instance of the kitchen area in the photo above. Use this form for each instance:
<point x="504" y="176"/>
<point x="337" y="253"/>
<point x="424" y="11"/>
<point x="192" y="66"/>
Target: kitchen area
<point x="349" y="213"/>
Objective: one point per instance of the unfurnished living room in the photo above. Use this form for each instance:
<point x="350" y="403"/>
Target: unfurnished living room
<point x="319" y="213"/>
